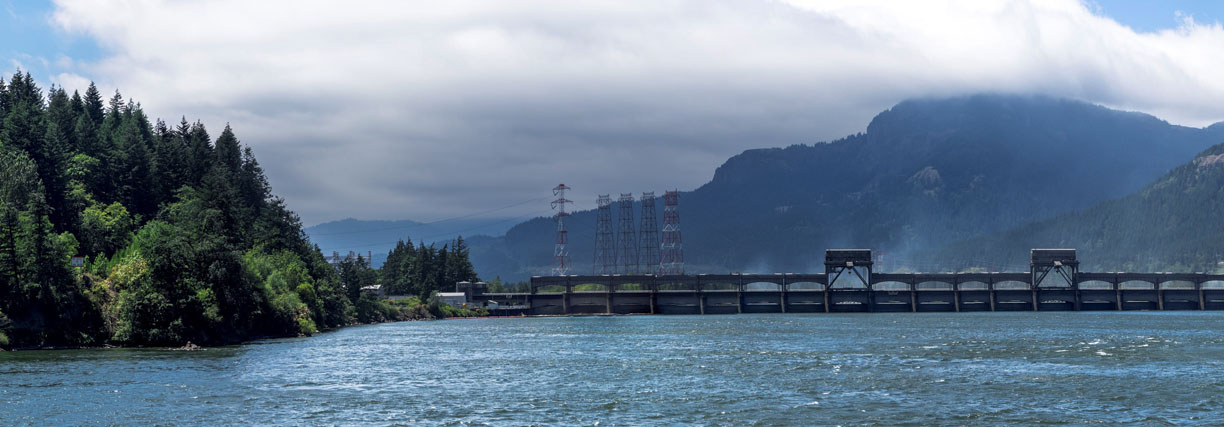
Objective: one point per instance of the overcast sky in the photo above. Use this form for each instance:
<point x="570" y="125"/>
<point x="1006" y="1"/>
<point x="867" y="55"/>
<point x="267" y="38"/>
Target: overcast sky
<point x="431" y="109"/>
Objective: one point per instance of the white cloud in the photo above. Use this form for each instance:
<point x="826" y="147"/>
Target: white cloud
<point x="393" y="109"/>
<point x="71" y="82"/>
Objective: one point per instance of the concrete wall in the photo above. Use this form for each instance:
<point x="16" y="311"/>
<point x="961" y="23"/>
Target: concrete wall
<point x="849" y="301"/>
<point x="728" y="294"/>
<point x="805" y="302"/>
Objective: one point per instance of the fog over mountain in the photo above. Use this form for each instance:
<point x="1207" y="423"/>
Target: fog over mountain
<point x="926" y="173"/>
<point x="1172" y="224"/>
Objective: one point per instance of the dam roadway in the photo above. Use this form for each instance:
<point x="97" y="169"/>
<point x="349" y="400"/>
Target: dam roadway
<point x="849" y="285"/>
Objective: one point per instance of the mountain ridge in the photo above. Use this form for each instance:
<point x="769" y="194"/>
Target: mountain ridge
<point x="1172" y="224"/>
<point x="379" y="236"/>
<point x="927" y="172"/>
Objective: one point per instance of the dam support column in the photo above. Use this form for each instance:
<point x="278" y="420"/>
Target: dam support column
<point x="700" y="296"/>
<point x="827" y="289"/>
<point x="956" y="295"/>
<point x="566" y="297"/>
<point x="1159" y="297"/>
<point x="1118" y="292"/>
<point x="990" y="292"/>
<point x="1078" y="298"/>
<point x="913" y="291"/>
<point x="739" y="296"/>
<point x="782" y="299"/>
<point x="870" y="299"/>
<point x="608" y="301"/>
<point x="1198" y="286"/>
<point x="654" y="298"/>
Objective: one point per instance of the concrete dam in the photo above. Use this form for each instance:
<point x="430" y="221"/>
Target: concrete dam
<point x="1054" y="283"/>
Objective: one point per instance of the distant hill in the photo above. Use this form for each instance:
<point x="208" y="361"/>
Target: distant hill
<point x="379" y="237"/>
<point x="1173" y="224"/>
<point x="926" y="173"/>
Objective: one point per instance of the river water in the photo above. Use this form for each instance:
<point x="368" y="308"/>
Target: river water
<point x="953" y="368"/>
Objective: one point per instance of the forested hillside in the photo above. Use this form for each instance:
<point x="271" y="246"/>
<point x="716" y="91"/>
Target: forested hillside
<point x="182" y="237"/>
<point x="1173" y="224"/>
<point x="926" y="173"/>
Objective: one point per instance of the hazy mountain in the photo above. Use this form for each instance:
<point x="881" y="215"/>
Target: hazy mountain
<point x="378" y="237"/>
<point x="1173" y="224"/>
<point x="926" y="173"/>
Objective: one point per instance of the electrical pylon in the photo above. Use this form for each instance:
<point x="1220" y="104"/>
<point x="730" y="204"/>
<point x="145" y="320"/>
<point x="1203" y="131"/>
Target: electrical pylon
<point x="626" y="243"/>
<point x="561" y="258"/>
<point x="648" y="244"/>
<point x="672" y="261"/>
<point x="605" y="247"/>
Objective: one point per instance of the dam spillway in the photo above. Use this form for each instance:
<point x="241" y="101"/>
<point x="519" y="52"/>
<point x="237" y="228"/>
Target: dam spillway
<point x="1052" y="284"/>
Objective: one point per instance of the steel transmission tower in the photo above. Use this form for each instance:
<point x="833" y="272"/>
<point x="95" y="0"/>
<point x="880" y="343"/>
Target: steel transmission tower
<point x="648" y="252"/>
<point x="561" y="258"/>
<point x="672" y="261"/>
<point x="605" y="247"/>
<point x="626" y="243"/>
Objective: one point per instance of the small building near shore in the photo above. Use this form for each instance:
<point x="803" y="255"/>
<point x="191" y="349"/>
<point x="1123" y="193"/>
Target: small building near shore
<point x="453" y="299"/>
<point x="375" y="290"/>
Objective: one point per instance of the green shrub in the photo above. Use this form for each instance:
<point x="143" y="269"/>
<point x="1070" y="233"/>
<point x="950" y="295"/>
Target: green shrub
<point x="289" y="290"/>
<point x="105" y="229"/>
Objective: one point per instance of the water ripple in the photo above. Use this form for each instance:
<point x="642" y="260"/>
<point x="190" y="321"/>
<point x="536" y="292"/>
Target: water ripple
<point x="992" y="368"/>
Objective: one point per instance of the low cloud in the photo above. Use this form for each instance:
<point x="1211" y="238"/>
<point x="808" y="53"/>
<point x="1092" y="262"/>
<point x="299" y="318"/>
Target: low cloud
<point x="423" y="110"/>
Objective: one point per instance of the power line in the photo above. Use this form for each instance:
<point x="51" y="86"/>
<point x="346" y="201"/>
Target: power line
<point x="430" y="223"/>
<point x="427" y="238"/>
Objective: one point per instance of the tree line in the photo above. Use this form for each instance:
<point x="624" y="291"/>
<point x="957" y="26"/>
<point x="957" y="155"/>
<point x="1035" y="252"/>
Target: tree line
<point x="422" y="270"/>
<point x="183" y="238"/>
<point x="415" y="273"/>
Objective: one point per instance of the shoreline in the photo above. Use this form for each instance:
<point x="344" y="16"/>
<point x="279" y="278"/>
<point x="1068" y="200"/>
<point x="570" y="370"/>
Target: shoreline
<point x="190" y="346"/>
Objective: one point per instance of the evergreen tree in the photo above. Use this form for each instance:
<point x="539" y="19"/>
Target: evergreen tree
<point x="23" y="124"/>
<point x="85" y="132"/>
<point x="354" y="275"/>
<point x="4" y="100"/>
<point x="132" y="168"/>
<point x="53" y="171"/>
<point x="458" y="265"/>
<point x="228" y="151"/>
<point x="199" y="152"/>
<point x="93" y="104"/>
<point x="398" y="271"/>
<point x="61" y="115"/>
<point x="76" y="105"/>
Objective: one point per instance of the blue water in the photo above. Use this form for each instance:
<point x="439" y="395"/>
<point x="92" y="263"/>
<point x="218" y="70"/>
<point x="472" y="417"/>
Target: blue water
<point x="954" y="368"/>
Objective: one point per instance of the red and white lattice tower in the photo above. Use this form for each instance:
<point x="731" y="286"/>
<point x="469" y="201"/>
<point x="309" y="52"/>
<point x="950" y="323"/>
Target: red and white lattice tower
<point x="605" y="247"/>
<point x="561" y="258"/>
<point x="672" y="261"/>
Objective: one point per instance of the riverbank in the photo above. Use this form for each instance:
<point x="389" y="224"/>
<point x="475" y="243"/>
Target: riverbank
<point x="190" y="346"/>
<point x="383" y="311"/>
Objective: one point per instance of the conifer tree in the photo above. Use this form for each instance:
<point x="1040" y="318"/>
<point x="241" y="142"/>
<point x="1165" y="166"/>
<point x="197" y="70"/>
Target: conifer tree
<point x="93" y="104"/>
<point x="200" y="153"/>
